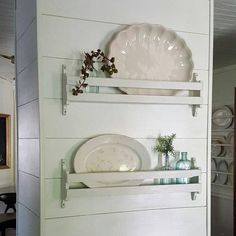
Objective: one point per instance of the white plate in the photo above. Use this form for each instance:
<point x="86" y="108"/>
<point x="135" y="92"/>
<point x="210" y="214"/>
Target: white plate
<point x="223" y="167"/>
<point x="231" y="170"/>
<point x="222" y="117"/>
<point x="111" y="152"/>
<point x="230" y="141"/>
<point x="217" y="147"/>
<point x="213" y="168"/>
<point x="151" y="52"/>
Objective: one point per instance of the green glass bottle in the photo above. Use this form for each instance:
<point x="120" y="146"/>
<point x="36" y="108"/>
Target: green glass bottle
<point x="183" y="164"/>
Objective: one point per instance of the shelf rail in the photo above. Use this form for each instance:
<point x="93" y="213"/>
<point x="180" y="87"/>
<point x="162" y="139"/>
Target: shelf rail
<point x="68" y="179"/>
<point x="194" y="100"/>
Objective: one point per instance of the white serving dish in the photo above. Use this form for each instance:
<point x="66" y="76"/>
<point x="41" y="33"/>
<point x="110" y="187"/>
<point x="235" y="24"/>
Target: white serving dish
<point x="111" y="152"/>
<point x="151" y="52"/>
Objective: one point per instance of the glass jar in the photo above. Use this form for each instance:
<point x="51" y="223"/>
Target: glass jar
<point x="173" y="163"/>
<point x="166" y="167"/>
<point x="183" y="164"/>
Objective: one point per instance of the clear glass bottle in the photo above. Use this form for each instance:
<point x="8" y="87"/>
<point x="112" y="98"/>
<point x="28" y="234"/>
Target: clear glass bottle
<point x="166" y="167"/>
<point x="173" y="163"/>
<point x="183" y="164"/>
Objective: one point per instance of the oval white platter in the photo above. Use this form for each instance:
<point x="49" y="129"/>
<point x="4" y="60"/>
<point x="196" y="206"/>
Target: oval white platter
<point x="111" y="152"/>
<point x="151" y="52"/>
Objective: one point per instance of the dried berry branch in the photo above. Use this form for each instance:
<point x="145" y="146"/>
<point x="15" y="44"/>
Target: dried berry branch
<point x="108" y="66"/>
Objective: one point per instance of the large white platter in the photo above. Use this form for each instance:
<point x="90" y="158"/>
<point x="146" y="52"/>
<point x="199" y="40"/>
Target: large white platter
<point x="111" y="152"/>
<point x="151" y="52"/>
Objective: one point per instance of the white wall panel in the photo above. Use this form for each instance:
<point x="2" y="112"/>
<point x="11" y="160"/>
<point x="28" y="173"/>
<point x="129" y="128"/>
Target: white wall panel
<point x="68" y="28"/>
<point x="57" y="149"/>
<point x="28" y="222"/>
<point x="96" y="205"/>
<point x="25" y="13"/>
<point x="58" y="30"/>
<point x="28" y="120"/>
<point x="7" y="107"/>
<point x="26" y="48"/>
<point x="27" y="84"/>
<point x="28" y="156"/>
<point x="171" y="222"/>
<point x="136" y="120"/>
<point x="194" y="14"/>
<point x="28" y="191"/>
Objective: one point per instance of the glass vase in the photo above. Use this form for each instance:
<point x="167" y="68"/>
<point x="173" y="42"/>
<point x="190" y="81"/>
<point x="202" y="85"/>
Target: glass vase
<point x="173" y="163"/>
<point x="166" y="167"/>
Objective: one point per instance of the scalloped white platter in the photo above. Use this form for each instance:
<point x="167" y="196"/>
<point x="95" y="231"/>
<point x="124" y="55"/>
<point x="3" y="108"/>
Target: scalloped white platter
<point x="151" y="52"/>
<point x="111" y="152"/>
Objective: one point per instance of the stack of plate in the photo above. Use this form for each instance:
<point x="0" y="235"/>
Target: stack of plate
<point x="231" y="171"/>
<point x="213" y="169"/>
<point x="230" y="142"/>
<point x="222" y="167"/>
<point x="218" y="148"/>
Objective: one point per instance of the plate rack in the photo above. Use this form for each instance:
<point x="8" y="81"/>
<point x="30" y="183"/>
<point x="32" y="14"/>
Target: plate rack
<point x="194" y="87"/>
<point x="69" y="178"/>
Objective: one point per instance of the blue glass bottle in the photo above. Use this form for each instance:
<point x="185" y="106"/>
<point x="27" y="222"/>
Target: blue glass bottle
<point x="183" y="164"/>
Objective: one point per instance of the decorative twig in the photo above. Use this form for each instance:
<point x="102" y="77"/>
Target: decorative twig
<point x="108" y="66"/>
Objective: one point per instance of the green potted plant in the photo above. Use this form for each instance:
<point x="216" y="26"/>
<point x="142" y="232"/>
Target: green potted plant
<point x="164" y="145"/>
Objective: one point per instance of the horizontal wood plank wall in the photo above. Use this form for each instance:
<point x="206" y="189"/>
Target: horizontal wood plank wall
<point x="27" y="222"/>
<point x="28" y="193"/>
<point x="171" y="222"/>
<point x="194" y="15"/>
<point x="68" y="28"/>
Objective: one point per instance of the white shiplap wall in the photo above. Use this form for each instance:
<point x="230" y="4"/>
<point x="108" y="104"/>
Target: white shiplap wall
<point x="65" y="29"/>
<point x="28" y="194"/>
